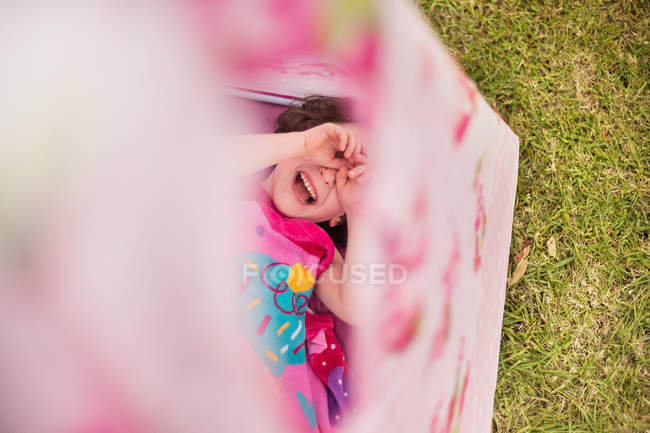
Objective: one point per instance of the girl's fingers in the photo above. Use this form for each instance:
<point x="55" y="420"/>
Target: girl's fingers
<point x="342" y="139"/>
<point x="363" y="178"/>
<point x="349" y="150"/>
<point x="336" y="163"/>
<point x="361" y="159"/>
<point x="348" y="139"/>
<point x="358" y="146"/>
<point x="335" y="135"/>
<point x="341" y="178"/>
<point x="358" y="170"/>
<point x="363" y="148"/>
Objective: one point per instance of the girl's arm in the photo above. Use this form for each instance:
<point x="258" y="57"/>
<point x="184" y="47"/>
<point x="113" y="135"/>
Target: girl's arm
<point x="338" y="285"/>
<point x="319" y="144"/>
<point x="332" y="289"/>
<point x="258" y="151"/>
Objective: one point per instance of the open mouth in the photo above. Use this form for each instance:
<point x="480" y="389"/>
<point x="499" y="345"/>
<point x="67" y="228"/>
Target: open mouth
<point x="304" y="188"/>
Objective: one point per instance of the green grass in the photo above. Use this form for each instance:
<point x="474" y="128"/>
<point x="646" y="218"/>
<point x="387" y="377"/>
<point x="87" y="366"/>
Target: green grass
<point x="571" y="79"/>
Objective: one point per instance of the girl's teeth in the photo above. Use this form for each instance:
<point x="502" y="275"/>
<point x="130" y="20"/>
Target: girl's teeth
<point x="307" y="185"/>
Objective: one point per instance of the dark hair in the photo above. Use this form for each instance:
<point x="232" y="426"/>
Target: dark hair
<point x="314" y="111"/>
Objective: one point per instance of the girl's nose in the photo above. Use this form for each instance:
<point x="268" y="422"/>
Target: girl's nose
<point x="328" y="175"/>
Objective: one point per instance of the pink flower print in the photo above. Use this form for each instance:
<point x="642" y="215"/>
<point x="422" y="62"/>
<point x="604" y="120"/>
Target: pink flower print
<point x="462" y="393"/>
<point x="461" y="128"/>
<point x="421" y="204"/>
<point x="434" y="421"/>
<point x="468" y="108"/>
<point x="451" y="270"/>
<point x="406" y="248"/>
<point x="480" y="220"/>
<point x="441" y="334"/>
<point x="449" y="278"/>
<point x="450" y="414"/>
<point x="400" y="327"/>
<point x="321" y="69"/>
<point x="409" y="246"/>
<point x="458" y="399"/>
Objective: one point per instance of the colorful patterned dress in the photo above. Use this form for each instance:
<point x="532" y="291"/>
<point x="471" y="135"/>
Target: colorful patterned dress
<point x="279" y="261"/>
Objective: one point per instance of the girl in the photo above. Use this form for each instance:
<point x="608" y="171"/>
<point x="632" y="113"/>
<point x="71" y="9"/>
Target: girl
<point x="319" y="167"/>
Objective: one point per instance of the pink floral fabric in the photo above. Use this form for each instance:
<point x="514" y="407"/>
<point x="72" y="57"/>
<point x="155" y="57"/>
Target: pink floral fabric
<point x="117" y="211"/>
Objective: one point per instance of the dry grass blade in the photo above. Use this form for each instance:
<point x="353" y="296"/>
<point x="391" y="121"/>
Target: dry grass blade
<point x="552" y="247"/>
<point x="521" y="261"/>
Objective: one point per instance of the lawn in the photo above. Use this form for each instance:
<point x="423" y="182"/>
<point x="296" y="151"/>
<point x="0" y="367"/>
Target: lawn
<point x="571" y="79"/>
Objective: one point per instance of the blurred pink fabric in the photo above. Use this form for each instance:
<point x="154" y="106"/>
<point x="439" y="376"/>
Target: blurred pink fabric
<point x="115" y="180"/>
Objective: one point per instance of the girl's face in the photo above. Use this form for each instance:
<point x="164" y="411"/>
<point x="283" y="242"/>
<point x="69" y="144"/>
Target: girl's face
<point x="301" y="189"/>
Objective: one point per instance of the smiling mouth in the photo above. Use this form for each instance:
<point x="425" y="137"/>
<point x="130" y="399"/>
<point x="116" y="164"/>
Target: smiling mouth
<point x="305" y="190"/>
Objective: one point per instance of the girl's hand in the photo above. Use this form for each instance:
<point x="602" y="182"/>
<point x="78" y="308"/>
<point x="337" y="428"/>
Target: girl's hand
<point x="323" y="142"/>
<point x="349" y="185"/>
